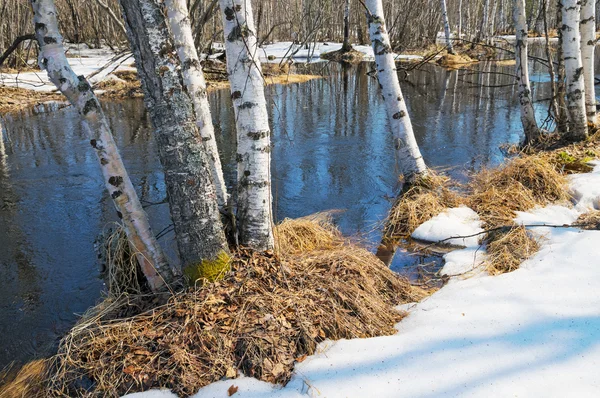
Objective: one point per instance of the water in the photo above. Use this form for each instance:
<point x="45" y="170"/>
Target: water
<point x="332" y="150"/>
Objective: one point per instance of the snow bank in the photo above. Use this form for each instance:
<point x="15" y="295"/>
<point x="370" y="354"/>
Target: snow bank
<point x="460" y="221"/>
<point x="532" y="332"/>
<point x="277" y="51"/>
<point x="83" y="60"/>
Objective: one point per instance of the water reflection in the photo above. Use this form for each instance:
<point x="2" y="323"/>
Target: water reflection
<point x="331" y="150"/>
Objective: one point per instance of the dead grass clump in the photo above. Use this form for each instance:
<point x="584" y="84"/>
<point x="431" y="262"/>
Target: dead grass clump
<point x="454" y="61"/>
<point x="306" y="234"/>
<point x="507" y="250"/>
<point x="349" y="57"/>
<point x="589" y="220"/>
<point x="425" y="199"/>
<point x="14" y="99"/>
<point x="261" y="318"/>
<point x="522" y="184"/>
<point x="28" y="382"/>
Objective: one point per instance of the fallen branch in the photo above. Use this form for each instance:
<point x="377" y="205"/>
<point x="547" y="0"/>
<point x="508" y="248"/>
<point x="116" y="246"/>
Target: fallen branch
<point x="14" y="46"/>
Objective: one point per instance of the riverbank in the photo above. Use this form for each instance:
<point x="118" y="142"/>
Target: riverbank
<point x="531" y="331"/>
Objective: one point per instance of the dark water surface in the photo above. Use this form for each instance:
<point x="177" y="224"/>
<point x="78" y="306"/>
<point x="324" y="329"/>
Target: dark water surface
<point x="332" y="150"/>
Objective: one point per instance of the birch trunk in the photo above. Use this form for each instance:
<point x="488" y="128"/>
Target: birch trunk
<point x="407" y="150"/>
<point x="447" y="28"/>
<point x="255" y="220"/>
<point x="588" y="44"/>
<point x="482" y="33"/>
<point x="346" y="45"/>
<point x="193" y="78"/>
<point x="530" y="126"/>
<point x="79" y="93"/>
<point x="460" y="20"/>
<point x="577" y="129"/>
<point x="191" y="192"/>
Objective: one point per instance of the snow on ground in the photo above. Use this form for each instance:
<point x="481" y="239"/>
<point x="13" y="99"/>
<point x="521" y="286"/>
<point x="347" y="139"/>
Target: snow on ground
<point x="83" y="60"/>
<point x="459" y="221"/>
<point x="533" y="332"/>
<point x="277" y="51"/>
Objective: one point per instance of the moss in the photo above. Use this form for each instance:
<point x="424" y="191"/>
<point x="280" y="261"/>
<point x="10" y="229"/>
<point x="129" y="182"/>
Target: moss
<point x="209" y="270"/>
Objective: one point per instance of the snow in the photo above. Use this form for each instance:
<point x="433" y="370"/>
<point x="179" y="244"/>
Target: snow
<point x="277" y="51"/>
<point x="84" y="61"/>
<point x="532" y="332"/>
<point x="463" y="262"/>
<point x="459" y="221"/>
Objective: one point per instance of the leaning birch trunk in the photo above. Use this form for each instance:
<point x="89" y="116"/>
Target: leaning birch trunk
<point x="588" y="44"/>
<point x="447" y="27"/>
<point x="407" y="150"/>
<point x="79" y="93"/>
<point x="577" y="129"/>
<point x="530" y="126"/>
<point x="346" y="44"/>
<point x="191" y="192"/>
<point x="255" y="220"/>
<point x="193" y="78"/>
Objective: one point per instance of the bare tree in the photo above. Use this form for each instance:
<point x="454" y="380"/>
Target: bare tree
<point x="577" y="128"/>
<point x="191" y="192"/>
<point x="254" y="200"/>
<point x="117" y="182"/>
<point x="522" y="73"/>
<point x="447" y="27"/>
<point x="407" y="150"/>
<point x="193" y="78"/>
<point x="588" y="45"/>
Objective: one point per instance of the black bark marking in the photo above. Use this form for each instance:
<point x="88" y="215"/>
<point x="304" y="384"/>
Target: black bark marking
<point x="115" y="180"/>
<point x="399" y="115"/>
<point x="90" y="106"/>
<point x="236" y="95"/>
<point x="116" y="194"/>
<point x="247" y="105"/>
<point x="229" y="14"/>
<point x="257" y="135"/>
<point x="93" y="143"/>
<point x="49" y="40"/>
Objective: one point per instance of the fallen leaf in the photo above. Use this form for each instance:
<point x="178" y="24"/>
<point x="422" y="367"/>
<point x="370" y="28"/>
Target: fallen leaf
<point x="232" y="390"/>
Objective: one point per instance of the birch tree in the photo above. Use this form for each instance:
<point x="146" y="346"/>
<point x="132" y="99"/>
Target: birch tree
<point x="407" y="151"/>
<point x="577" y="126"/>
<point x="191" y="191"/>
<point x="588" y="45"/>
<point x="79" y="93"/>
<point x="193" y="78"/>
<point x="254" y="200"/>
<point x="447" y="28"/>
<point x="346" y="46"/>
<point x="522" y="73"/>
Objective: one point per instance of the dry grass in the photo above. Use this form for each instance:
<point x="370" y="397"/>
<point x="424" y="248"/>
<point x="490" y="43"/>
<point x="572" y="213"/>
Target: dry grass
<point x="268" y="313"/>
<point x="425" y="199"/>
<point x="14" y="99"/>
<point x="454" y="61"/>
<point x="349" y="57"/>
<point x="589" y="220"/>
<point x="27" y="383"/>
<point x="507" y="250"/>
<point x="520" y="185"/>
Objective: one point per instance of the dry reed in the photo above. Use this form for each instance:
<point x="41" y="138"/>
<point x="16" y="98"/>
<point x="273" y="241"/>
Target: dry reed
<point x="265" y="315"/>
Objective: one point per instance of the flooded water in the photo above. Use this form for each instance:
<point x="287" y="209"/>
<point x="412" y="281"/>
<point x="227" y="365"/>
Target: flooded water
<point x="332" y="150"/>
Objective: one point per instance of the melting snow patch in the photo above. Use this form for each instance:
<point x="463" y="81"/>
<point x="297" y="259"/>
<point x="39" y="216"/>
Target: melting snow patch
<point x="460" y="221"/>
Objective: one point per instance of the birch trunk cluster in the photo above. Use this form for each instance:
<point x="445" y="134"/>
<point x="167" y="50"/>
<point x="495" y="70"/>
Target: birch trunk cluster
<point x="407" y="151"/>
<point x="588" y="45"/>
<point x="254" y="198"/>
<point x="116" y="180"/>
<point x="195" y="84"/>
<point x="574" y="71"/>
<point x="190" y="188"/>
<point x="522" y="73"/>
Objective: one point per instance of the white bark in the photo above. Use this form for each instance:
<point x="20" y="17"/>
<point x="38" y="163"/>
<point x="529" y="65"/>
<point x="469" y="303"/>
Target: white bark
<point x="79" y="93"/>
<point x="588" y="44"/>
<point x="577" y="128"/>
<point x="346" y="45"/>
<point x="407" y="151"/>
<point x="191" y="191"/>
<point x="522" y="73"/>
<point x="447" y="27"/>
<point x="193" y="78"/>
<point x="459" y="20"/>
<point x="255" y="220"/>
<point x="483" y="27"/>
